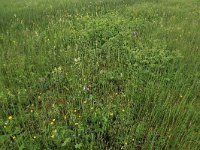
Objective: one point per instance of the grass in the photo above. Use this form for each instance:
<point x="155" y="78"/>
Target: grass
<point x="109" y="74"/>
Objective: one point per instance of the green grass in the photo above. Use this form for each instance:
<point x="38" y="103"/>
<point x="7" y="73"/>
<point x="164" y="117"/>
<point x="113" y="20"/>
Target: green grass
<point x="100" y="74"/>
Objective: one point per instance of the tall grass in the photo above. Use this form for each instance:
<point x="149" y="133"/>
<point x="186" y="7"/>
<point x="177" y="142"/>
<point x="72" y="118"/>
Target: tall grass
<point x="105" y="74"/>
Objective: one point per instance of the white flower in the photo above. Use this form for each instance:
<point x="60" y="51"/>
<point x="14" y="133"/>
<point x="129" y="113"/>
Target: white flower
<point x="76" y="60"/>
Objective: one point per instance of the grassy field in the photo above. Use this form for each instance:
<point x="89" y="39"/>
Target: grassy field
<point x="100" y="74"/>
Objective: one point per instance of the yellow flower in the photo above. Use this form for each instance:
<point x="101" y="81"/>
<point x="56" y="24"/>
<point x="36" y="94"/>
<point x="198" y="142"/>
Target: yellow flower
<point x="31" y="110"/>
<point x="34" y="137"/>
<point x="54" y="120"/>
<point x="76" y="123"/>
<point x="13" y="137"/>
<point x="92" y="108"/>
<point x="52" y="136"/>
<point x="74" y="110"/>
<point x="85" y="102"/>
<point x="111" y="114"/>
<point x="123" y="110"/>
<point x="52" y="123"/>
<point x="10" y="118"/>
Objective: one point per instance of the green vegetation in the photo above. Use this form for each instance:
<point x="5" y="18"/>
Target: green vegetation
<point x="100" y="74"/>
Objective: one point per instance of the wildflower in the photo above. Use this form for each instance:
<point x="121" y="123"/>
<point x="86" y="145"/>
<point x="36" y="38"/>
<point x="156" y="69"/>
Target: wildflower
<point x="10" y="118"/>
<point x="74" y="110"/>
<point x="77" y="60"/>
<point x="65" y="117"/>
<point x="31" y="110"/>
<point x="52" y="123"/>
<point x="123" y="110"/>
<point x="85" y="102"/>
<point x="5" y="126"/>
<point x="111" y="114"/>
<point x="136" y="34"/>
<point x="101" y="72"/>
<point x="86" y="89"/>
<point x="79" y="116"/>
<point x="181" y="96"/>
<point x="125" y="143"/>
<point x="6" y="123"/>
<point x="13" y="137"/>
<point x="52" y="136"/>
<point x="34" y="137"/>
<point x="92" y="108"/>
<point x="54" y="120"/>
<point x="59" y="68"/>
<point x="76" y="124"/>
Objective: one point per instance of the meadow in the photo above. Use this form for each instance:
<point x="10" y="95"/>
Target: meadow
<point x="100" y="74"/>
